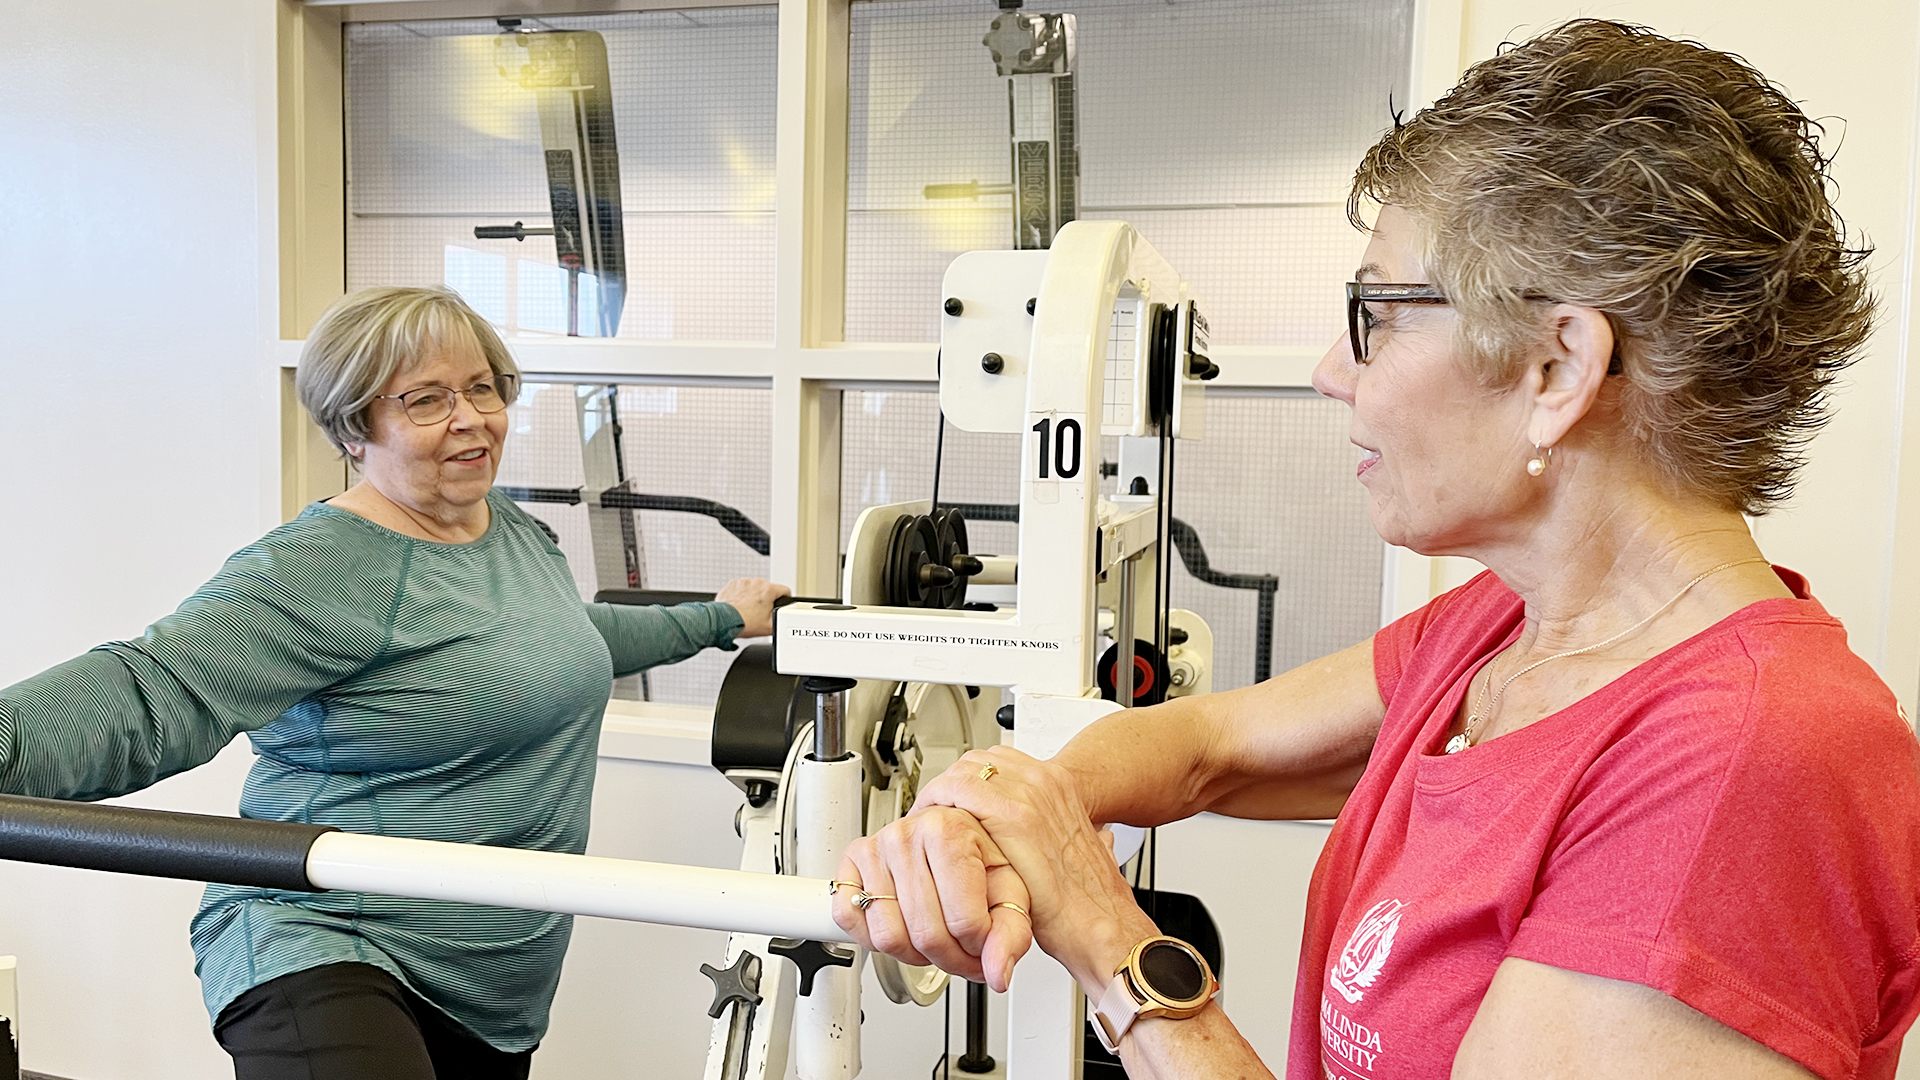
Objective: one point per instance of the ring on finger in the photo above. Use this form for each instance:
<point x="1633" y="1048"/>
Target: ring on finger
<point x="987" y="771"/>
<point x="833" y="887"/>
<point x="864" y="898"/>
<point x="1014" y="906"/>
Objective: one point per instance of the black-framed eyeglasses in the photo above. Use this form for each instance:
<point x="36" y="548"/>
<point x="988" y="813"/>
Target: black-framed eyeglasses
<point x="1360" y="321"/>
<point x="429" y="405"/>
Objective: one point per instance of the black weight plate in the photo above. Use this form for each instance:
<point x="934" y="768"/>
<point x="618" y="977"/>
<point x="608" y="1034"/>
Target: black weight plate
<point x="950" y="528"/>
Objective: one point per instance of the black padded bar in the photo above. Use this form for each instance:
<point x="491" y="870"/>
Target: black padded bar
<point x="644" y="597"/>
<point x="648" y="597"/>
<point x="157" y="843"/>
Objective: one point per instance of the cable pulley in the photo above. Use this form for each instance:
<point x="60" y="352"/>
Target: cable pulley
<point x="927" y="561"/>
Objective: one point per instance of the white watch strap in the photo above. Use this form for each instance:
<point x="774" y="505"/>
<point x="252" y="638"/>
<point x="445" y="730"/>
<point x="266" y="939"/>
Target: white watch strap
<point x="1117" y="1011"/>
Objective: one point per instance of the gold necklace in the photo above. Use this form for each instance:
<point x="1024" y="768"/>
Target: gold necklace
<point x="1475" y="717"/>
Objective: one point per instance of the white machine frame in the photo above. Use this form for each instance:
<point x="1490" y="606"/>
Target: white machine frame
<point x="1048" y="380"/>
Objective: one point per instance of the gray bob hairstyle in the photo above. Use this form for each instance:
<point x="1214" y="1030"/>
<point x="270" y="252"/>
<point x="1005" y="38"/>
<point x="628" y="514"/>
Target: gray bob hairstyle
<point x="368" y="337"/>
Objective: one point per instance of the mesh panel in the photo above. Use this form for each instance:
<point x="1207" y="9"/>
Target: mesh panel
<point x="439" y="142"/>
<point x="706" y="442"/>
<point x="886" y="456"/>
<point x="1270" y="490"/>
<point x="1244" y="200"/>
<point x="1305" y="524"/>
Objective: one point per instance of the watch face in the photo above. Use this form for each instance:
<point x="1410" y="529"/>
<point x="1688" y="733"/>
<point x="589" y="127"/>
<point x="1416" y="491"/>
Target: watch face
<point x="1172" y="972"/>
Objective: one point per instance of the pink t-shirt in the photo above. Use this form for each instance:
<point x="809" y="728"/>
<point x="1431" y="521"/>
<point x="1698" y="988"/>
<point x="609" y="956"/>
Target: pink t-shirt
<point x="1735" y="822"/>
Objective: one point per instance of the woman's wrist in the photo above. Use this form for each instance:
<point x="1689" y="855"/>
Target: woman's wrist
<point x="1104" y="947"/>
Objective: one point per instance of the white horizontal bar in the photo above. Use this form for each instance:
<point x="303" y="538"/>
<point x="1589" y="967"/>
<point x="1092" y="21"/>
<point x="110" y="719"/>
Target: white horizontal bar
<point x="696" y="896"/>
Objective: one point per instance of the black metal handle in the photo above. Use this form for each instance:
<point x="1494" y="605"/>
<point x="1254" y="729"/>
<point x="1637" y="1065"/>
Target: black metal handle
<point x="740" y="525"/>
<point x="673" y="596"/>
<point x="516" y="231"/>
<point x="157" y="843"/>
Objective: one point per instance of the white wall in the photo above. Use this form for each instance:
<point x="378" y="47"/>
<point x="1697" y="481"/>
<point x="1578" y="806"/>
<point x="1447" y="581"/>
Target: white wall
<point x="137" y="439"/>
<point x="137" y="256"/>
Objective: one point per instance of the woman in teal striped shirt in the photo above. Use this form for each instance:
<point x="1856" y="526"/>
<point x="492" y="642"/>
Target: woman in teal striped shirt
<point x="410" y="658"/>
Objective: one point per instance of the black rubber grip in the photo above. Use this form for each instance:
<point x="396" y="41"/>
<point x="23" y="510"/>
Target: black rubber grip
<point x="157" y="843"/>
<point x="673" y="596"/>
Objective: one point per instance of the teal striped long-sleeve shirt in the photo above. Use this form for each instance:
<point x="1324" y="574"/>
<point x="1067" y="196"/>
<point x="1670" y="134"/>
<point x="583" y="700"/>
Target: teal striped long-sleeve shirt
<point x="389" y="685"/>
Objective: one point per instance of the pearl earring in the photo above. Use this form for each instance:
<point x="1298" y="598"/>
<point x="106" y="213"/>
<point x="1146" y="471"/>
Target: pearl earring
<point x="1538" y="464"/>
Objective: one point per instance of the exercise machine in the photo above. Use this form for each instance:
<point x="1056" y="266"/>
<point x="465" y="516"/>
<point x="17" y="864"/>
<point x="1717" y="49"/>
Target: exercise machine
<point x="829" y="731"/>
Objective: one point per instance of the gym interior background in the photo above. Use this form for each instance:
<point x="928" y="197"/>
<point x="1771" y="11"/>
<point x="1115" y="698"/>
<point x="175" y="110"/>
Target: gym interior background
<point x="185" y="186"/>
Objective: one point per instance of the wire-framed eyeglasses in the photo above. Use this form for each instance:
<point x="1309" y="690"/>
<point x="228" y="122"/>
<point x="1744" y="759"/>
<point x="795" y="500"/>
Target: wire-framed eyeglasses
<point x="429" y="405"/>
<point x="1361" y="321"/>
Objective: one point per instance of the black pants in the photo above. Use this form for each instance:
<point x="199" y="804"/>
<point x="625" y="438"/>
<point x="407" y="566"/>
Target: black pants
<point x="353" y="1022"/>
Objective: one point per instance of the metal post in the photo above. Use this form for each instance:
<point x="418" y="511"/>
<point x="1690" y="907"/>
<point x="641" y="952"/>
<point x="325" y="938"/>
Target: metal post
<point x="976" y="1059"/>
<point x="827" y="817"/>
<point x="1123" y="636"/>
<point x="619" y="556"/>
<point x="830" y="710"/>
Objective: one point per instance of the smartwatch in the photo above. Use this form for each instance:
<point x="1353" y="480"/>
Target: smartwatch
<point x="1162" y="976"/>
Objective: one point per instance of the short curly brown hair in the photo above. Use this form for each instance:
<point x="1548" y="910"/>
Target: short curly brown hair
<point x="1674" y="189"/>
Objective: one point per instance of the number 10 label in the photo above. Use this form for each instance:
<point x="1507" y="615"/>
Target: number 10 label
<point x="1057" y="453"/>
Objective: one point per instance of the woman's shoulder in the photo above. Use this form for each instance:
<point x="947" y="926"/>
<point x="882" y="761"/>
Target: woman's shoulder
<point x="1807" y="688"/>
<point x="318" y="553"/>
<point x="1773" y="697"/>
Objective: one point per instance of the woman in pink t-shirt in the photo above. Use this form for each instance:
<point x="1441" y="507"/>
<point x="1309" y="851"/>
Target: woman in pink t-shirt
<point x="1626" y="805"/>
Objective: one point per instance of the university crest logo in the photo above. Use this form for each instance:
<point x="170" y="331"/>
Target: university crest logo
<point x="1366" y="952"/>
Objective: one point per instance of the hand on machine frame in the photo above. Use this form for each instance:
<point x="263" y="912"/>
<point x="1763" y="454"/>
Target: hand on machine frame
<point x="998" y="826"/>
<point x="753" y="598"/>
<point x="1083" y="912"/>
<point x="933" y="888"/>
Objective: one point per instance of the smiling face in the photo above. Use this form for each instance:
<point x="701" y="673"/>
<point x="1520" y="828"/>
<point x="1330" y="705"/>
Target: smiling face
<point x="1444" y="456"/>
<point x="442" y="471"/>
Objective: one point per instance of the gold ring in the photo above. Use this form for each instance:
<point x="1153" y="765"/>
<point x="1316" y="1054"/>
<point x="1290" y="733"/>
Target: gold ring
<point x="1010" y="904"/>
<point x="833" y="887"/>
<point x="866" y="898"/>
<point x="986" y="773"/>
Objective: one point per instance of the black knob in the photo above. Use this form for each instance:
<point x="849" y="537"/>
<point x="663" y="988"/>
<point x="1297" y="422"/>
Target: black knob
<point x="966" y="565"/>
<point x="1177" y="635"/>
<point x="1005" y="717"/>
<point x="953" y="306"/>
<point x="992" y="363"/>
<point x="810" y="957"/>
<point x="1032" y="302"/>
<point x="1203" y="369"/>
<point x="740" y="982"/>
<point x="1138" y="486"/>
<point x="936" y="575"/>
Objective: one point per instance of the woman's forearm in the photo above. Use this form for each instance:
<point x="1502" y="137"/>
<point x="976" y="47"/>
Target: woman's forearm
<point x="1290" y="747"/>
<point x="645" y="636"/>
<point x="1203" y="1047"/>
